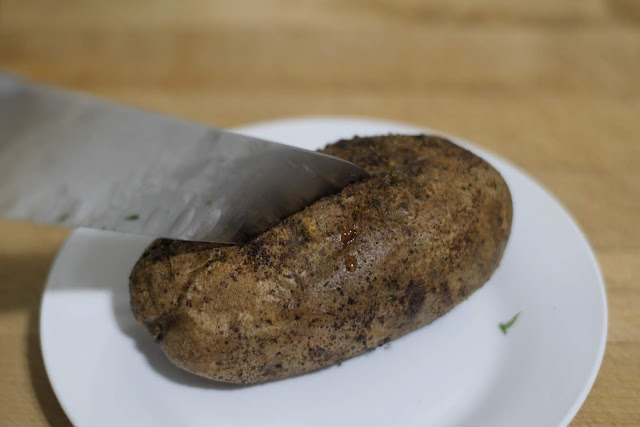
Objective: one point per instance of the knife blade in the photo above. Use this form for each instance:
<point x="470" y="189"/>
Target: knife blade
<point x="73" y="160"/>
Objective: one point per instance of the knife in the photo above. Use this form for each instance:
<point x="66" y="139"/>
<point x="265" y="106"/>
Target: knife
<point x="72" y="160"/>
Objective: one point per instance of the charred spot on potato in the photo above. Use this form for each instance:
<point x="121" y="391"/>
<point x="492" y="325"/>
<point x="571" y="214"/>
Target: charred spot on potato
<point x="416" y="293"/>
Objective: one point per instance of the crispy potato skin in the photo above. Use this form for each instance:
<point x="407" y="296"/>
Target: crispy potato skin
<point x="345" y="275"/>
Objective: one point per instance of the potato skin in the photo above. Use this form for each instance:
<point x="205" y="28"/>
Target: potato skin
<point x="343" y="276"/>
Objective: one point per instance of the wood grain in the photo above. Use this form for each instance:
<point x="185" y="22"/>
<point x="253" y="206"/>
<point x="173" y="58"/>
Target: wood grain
<point x="552" y="86"/>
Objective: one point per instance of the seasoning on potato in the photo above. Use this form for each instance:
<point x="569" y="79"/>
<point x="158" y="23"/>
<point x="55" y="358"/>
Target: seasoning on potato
<point x="350" y="272"/>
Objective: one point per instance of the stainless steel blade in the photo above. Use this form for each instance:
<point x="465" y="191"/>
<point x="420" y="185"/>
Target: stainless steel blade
<point x="72" y="160"/>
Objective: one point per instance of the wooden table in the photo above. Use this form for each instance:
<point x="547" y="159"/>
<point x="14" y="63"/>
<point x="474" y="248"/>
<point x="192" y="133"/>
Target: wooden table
<point x="552" y="86"/>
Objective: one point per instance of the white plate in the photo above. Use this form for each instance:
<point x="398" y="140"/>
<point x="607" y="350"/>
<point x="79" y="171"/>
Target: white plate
<point x="460" y="370"/>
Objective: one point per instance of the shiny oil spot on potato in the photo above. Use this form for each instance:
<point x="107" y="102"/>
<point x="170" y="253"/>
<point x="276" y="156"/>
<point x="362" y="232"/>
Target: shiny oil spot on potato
<point x="350" y="263"/>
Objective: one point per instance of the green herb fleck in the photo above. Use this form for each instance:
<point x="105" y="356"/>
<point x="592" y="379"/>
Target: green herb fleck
<point x="133" y="217"/>
<point x="63" y="217"/>
<point x="209" y="202"/>
<point x="226" y="225"/>
<point x="204" y="264"/>
<point x="505" y="326"/>
<point x="391" y="298"/>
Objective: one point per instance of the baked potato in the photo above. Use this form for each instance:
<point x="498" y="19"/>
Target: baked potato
<point x="350" y="272"/>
